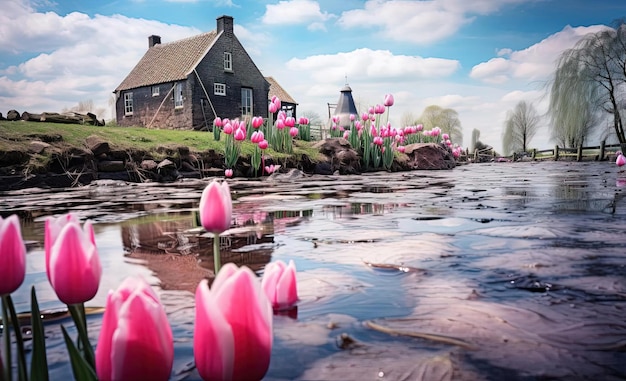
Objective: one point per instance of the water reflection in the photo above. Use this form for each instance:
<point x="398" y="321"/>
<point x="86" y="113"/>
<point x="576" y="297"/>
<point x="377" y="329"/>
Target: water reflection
<point x="494" y="271"/>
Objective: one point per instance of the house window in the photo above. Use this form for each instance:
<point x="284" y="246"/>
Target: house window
<point x="178" y="95"/>
<point x="155" y="91"/>
<point x="219" y="89"/>
<point x="228" y="61"/>
<point x="246" y="101"/>
<point x="128" y="103"/>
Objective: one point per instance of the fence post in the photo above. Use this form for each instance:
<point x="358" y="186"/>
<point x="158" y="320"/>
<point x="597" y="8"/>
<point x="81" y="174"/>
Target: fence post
<point x="476" y="155"/>
<point x="556" y="153"/>
<point x="601" y="156"/>
<point x="534" y="153"/>
<point x="579" y="153"/>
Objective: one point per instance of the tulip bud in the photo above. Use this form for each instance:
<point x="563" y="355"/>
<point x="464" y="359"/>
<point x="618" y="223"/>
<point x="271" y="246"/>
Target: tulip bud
<point x="135" y="341"/>
<point x="216" y="207"/>
<point x="72" y="261"/>
<point x="279" y="284"/>
<point x="12" y="255"/>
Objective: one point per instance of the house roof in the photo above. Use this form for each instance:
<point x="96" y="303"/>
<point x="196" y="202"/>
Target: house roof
<point x="172" y="61"/>
<point x="277" y="90"/>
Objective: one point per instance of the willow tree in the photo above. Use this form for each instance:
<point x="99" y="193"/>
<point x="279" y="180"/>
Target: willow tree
<point x="520" y="127"/>
<point x="445" y="118"/>
<point x="588" y="87"/>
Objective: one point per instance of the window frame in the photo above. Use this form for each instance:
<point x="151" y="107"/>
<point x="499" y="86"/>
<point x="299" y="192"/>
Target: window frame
<point x="128" y="103"/>
<point x="217" y="87"/>
<point x="178" y="95"/>
<point x="247" y="102"/>
<point x="156" y="91"/>
<point x="228" y="61"/>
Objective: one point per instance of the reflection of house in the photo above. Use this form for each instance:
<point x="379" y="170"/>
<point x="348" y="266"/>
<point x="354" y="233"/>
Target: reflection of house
<point x="181" y="255"/>
<point x="288" y="104"/>
<point x="187" y="83"/>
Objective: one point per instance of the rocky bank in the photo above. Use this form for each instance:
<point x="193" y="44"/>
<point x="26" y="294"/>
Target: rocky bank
<point x="61" y="166"/>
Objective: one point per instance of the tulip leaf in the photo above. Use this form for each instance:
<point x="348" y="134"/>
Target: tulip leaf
<point x="81" y="369"/>
<point x="39" y="361"/>
<point x="6" y="335"/>
<point x="17" y="331"/>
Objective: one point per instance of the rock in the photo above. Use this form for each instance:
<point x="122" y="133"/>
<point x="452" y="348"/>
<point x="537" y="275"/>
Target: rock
<point x="37" y="146"/>
<point x="148" y="165"/>
<point x="340" y="155"/>
<point x="111" y="166"/>
<point x="97" y="145"/>
<point x="428" y="156"/>
<point x="13" y="115"/>
<point x="166" y="164"/>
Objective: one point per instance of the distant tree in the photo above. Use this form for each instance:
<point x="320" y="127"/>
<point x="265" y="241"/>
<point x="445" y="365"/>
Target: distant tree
<point x="520" y="126"/>
<point x="445" y="118"/>
<point x="314" y="118"/>
<point x="588" y="86"/>
<point x="408" y="119"/>
<point x="475" y="137"/>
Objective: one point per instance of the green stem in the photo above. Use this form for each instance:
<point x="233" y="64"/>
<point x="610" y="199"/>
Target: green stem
<point x="21" y="357"/>
<point x="80" y="320"/>
<point x="6" y="333"/>
<point x="216" y="253"/>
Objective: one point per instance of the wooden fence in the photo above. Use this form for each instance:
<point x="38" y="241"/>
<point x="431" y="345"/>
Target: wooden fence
<point x="597" y="153"/>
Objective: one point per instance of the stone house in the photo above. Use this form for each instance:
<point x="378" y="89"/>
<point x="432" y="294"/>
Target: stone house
<point x="185" y="84"/>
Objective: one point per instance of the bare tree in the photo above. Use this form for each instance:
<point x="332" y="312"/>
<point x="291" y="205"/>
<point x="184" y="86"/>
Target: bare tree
<point x="408" y="119"/>
<point x="520" y="126"/>
<point x="589" y="86"/>
<point x="447" y="119"/>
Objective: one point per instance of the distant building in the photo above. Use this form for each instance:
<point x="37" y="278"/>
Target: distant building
<point x="288" y="104"/>
<point x="185" y="84"/>
<point x="345" y="107"/>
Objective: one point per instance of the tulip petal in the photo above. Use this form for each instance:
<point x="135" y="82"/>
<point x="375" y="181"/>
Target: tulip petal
<point x="216" y="207"/>
<point x="213" y="342"/>
<point x="249" y="313"/>
<point x="74" y="266"/>
<point x="103" y="349"/>
<point x="286" y="290"/>
<point x="12" y="256"/>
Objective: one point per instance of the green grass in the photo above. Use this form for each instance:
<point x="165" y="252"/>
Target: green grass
<point x="18" y="135"/>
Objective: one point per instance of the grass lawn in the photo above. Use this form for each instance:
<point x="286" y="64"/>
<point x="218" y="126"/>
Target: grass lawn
<point x="17" y="135"/>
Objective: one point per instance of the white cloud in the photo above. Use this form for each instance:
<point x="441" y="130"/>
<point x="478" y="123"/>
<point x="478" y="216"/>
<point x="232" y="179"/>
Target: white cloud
<point x="76" y="57"/>
<point x="292" y="12"/>
<point x="375" y="65"/>
<point x="534" y="63"/>
<point x="419" y="22"/>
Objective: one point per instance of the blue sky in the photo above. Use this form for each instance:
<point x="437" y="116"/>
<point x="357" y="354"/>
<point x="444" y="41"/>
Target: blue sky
<point x="478" y="57"/>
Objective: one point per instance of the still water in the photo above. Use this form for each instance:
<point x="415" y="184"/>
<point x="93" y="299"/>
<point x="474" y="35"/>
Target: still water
<point x="503" y="271"/>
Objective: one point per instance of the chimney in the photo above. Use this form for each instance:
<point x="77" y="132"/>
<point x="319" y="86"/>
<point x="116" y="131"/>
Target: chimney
<point x="225" y="24"/>
<point x="153" y="40"/>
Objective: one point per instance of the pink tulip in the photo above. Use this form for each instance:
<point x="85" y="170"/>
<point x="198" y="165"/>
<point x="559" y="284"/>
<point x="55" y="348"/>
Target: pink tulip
<point x="12" y="255"/>
<point x="281" y="115"/>
<point x="621" y="160"/>
<point x="216" y="207"/>
<point x="279" y="284"/>
<point x="263" y="144"/>
<point x="388" y="100"/>
<point x="257" y="122"/>
<point x="290" y="121"/>
<point x="352" y="117"/>
<point x="276" y="101"/>
<point x="233" y="326"/>
<point x="379" y="109"/>
<point x="293" y="131"/>
<point x="217" y="122"/>
<point x="371" y="110"/>
<point x="378" y="140"/>
<point x="445" y="136"/>
<point x="280" y="124"/>
<point x="346" y="135"/>
<point x="228" y="172"/>
<point x="240" y="134"/>
<point x="72" y="261"/>
<point x="401" y="149"/>
<point x="303" y="120"/>
<point x="272" y="108"/>
<point x="135" y="341"/>
<point x="228" y="128"/>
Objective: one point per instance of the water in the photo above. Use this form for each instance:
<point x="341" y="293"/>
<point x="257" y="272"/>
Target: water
<point x="497" y="271"/>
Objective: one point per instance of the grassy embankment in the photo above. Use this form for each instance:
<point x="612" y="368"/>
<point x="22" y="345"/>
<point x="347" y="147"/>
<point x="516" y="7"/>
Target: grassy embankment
<point x="17" y="136"/>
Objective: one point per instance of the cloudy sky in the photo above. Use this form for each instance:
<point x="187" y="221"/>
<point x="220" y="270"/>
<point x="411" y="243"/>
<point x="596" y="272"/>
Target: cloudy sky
<point x="477" y="57"/>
